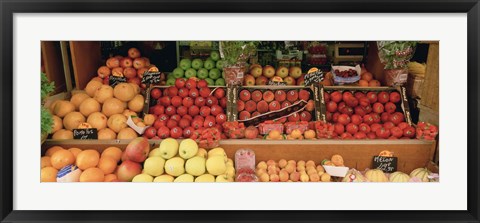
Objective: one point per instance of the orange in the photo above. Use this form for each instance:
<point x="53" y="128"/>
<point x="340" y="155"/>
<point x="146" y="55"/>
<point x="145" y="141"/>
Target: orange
<point x="52" y="150"/>
<point x="309" y="134"/>
<point x="374" y="83"/>
<point x="48" y="174"/>
<point x="113" y="152"/>
<point x="110" y="177"/>
<point x="367" y="76"/>
<point x="75" y="151"/>
<point x="45" y="161"/>
<point x="61" y="158"/>
<point x="92" y="174"/>
<point x="107" y="165"/>
<point x="87" y="159"/>
<point x="296" y="133"/>
<point x="363" y="83"/>
<point x="274" y="134"/>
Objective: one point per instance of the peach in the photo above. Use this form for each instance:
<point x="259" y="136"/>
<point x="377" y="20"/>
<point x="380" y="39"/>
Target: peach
<point x="295" y="176"/>
<point x="325" y="177"/>
<point x="133" y="53"/>
<point x="284" y="175"/>
<point x="274" y="178"/>
<point x="271" y="163"/>
<point x="320" y="169"/>
<point x="274" y="106"/>
<point x="272" y="168"/>
<point x="256" y="95"/>
<point x="262" y="165"/>
<point x="304" y="178"/>
<point x="264" y="177"/>
<point x="259" y="172"/>
<point x="292" y="96"/>
<point x="282" y="163"/>
<point x="312" y="171"/>
<point x="126" y="62"/>
<point x="240" y="105"/>
<point x="262" y="106"/>
<point x="304" y="95"/>
<point x="301" y="163"/>
<point x="250" y="106"/>
<point x="113" y="62"/>
<point x="244" y="95"/>
<point x="314" y="177"/>
<point x="290" y="168"/>
<point x="268" y="96"/>
<point x="300" y="168"/>
<point x="272" y="171"/>
<point x="310" y="163"/>
<point x="244" y="115"/>
<point x="310" y="106"/>
<point x="293" y="162"/>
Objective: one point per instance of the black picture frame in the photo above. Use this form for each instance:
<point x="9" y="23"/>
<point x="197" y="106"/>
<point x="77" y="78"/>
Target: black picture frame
<point x="8" y="8"/>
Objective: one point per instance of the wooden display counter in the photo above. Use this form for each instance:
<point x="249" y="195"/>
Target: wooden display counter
<point x="357" y="154"/>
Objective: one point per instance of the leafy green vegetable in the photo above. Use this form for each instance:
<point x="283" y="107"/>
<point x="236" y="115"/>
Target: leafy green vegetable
<point x="237" y="52"/>
<point x="46" y="122"/>
<point x="46" y="89"/>
<point x="396" y="54"/>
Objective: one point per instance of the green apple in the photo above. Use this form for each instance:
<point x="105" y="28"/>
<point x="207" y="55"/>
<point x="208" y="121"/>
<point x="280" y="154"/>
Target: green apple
<point x="190" y="72"/>
<point x="164" y="178"/>
<point x="170" y="75"/>
<point x="207" y="178"/>
<point x="195" y="166"/>
<point x="168" y="148"/>
<point x="185" y="64"/>
<point x="210" y="82"/>
<point x="178" y="72"/>
<point x="202" y="73"/>
<point x="215" y="55"/>
<point x="184" y="178"/>
<point x="220" y="64"/>
<point x="143" y="177"/>
<point x="175" y="166"/>
<point x="170" y="81"/>
<point x="209" y="64"/>
<point x="223" y="75"/>
<point x="220" y="82"/>
<point x="214" y="73"/>
<point x="197" y="64"/>
<point x="188" y="148"/>
<point x="153" y="166"/>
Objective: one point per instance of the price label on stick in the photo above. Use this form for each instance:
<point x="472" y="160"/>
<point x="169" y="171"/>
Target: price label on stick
<point x="384" y="163"/>
<point x="114" y="80"/>
<point x="90" y="133"/>
<point x="313" y="77"/>
<point x="277" y="83"/>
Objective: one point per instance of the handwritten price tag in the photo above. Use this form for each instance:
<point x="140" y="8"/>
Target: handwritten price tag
<point x="386" y="164"/>
<point x="85" y="133"/>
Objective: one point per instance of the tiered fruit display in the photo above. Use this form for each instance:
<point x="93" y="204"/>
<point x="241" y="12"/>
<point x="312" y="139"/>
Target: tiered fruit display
<point x="170" y="162"/>
<point x="291" y="171"/>
<point x="131" y="66"/>
<point x="102" y="107"/>
<point x="259" y="75"/>
<point x="369" y="115"/>
<point x="254" y="102"/>
<point x="210" y="70"/>
<point x="187" y="107"/>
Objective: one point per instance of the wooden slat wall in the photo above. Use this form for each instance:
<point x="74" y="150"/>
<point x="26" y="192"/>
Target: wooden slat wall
<point x="430" y="96"/>
<point x="86" y="59"/>
<point x="374" y="65"/>
<point x="53" y="64"/>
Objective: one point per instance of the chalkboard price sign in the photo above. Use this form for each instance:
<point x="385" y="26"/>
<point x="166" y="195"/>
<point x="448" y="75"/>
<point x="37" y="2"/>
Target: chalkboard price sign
<point x="85" y="133"/>
<point x="277" y="83"/>
<point x="314" y="77"/>
<point x="384" y="163"/>
<point x="150" y="77"/>
<point x="114" y="80"/>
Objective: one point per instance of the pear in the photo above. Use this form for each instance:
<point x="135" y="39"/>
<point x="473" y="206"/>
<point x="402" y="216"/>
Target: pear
<point x="188" y="148"/>
<point x="175" y="166"/>
<point x="195" y="166"/>
<point x="154" y="166"/>
<point x="155" y="152"/>
<point x="168" y="148"/>
<point x="163" y="178"/>
<point x="224" y="178"/>
<point x="216" y="165"/>
<point x="142" y="178"/>
<point x="184" y="178"/>
<point x="205" y="178"/>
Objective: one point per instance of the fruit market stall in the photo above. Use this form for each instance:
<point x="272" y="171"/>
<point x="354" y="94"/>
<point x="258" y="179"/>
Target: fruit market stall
<point x="266" y="122"/>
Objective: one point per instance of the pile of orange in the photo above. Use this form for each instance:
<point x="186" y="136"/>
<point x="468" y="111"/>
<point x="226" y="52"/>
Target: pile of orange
<point x="367" y="80"/>
<point x="94" y="167"/>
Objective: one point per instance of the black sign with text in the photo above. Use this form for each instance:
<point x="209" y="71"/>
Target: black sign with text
<point x="114" y="80"/>
<point x="384" y="163"/>
<point x="85" y="133"/>
<point x="150" y="77"/>
<point x="313" y="78"/>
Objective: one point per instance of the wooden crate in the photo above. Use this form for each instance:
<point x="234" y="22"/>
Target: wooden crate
<point x="357" y="154"/>
<point x="86" y="59"/>
<point x="53" y="64"/>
